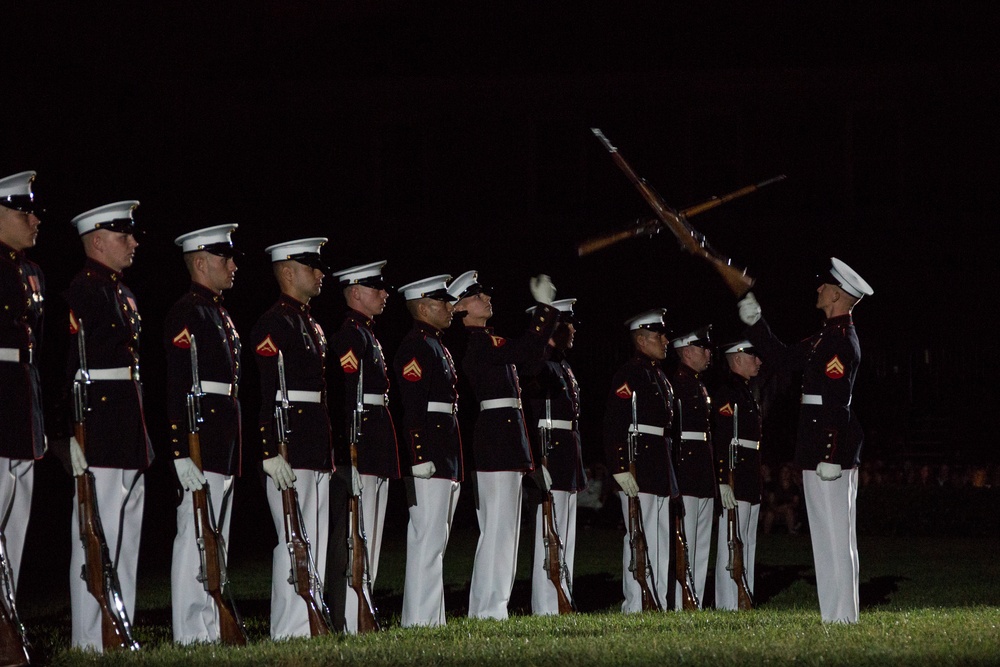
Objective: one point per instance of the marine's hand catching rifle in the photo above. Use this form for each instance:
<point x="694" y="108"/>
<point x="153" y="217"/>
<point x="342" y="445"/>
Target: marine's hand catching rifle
<point x="188" y="474"/>
<point x="749" y="309"/>
<point x="727" y="496"/>
<point x="280" y="472"/>
<point x="424" y="470"/>
<point x="76" y="457"/>
<point x="542" y="289"/>
<point x="628" y="484"/>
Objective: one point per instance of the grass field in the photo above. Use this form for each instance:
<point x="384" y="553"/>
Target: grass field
<point x="924" y="601"/>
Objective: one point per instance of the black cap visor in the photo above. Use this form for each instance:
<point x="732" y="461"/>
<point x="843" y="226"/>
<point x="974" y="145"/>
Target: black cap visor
<point x="23" y="203"/>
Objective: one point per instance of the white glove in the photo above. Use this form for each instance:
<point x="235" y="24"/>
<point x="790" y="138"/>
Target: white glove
<point x="749" y="309"/>
<point x="280" y="472"/>
<point x="76" y="458"/>
<point x="188" y="474"/>
<point x="45" y="442"/>
<point x="542" y="289"/>
<point x="424" y="470"/>
<point x="356" y="484"/>
<point x="543" y="478"/>
<point x="628" y="484"/>
<point x="727" y="495"/>
<point x="828" y="471"/>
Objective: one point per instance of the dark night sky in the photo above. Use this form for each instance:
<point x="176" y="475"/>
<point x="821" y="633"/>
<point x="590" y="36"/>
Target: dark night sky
<point x="457" y="137"/>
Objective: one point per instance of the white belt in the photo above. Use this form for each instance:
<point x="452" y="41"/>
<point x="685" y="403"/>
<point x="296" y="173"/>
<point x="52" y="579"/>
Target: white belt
<point x="649" y="430"/>
<point x="299" y="396"/>
<point x="438" y="406"/>
<point x="494" y="403"/>
<point x="376" y="399"/>
<point x="812" y="399"/>
<point x="749" y="444"/>
<point x="219" y="388"/>
<point x="564" y="424"/>
<point x="694" y="435"/>
<point x="14" y="354"/>
<point x="123" y="373"/>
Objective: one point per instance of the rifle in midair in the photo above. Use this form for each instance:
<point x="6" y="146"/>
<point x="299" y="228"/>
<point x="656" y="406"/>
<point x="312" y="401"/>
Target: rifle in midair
<point x="357" y="542"/>
<point x="211" y="544"/>
<point x="303" y="575"/>
<point x="98" y="569"/>
<point x="689" y="238"/>
<point x="555" y="554"/>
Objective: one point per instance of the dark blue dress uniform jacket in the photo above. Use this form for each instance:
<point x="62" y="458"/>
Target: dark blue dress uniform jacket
<point x="501" y="438"/>
<point x="22" y="301"/>
<point x="693" y="460"/>
<point x="736" y="392"/>
<point x="828" y="362"/>
<point x="201" y="315"/>
<point x="553" y="379"/>
<point x="287" y="327"/>
<point x="358" y="352"/>
<point x="426" y="372"/>
<point x="106" y="309"/>
<point x="654" y="467"/>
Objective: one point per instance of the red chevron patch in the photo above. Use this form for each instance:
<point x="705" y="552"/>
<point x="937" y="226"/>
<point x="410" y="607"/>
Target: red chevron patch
<point x="267" y="348"/>
<point x="624" y="391"/>
<point x="726" y="410"/>
<point x="835" y="368"/>
<point x="498" y="341"/>
<point x="183" y="339"/>
<point x="74" y="324"/>
<point x="412" y="371"/>
<point x="349" y="362"/>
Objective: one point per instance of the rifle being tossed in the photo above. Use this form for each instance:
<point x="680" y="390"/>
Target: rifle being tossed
<point x="98" y="570"/>
<point x="357" y="543"/>
<point x="303" y="575"/>
<point x="211" y="544"/>
<point x="555" y="554"/>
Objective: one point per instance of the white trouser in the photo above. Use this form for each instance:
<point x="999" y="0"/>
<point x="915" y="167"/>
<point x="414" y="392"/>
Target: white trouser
<point x="659" y="539"/>
<point x="195" y="616"/>
<point x="699" y="517"/>
<point x="426" y="542"/>
<point x="832" y="508"/>
<point x="499" y="515"/>
<point x="289" y="613"/>
<point x="374" y="496"/>
<point x="16" y="483"/>
<point x="726" y="592"/>
<point x="544" y="599"/>
<point x="116" y="490"/>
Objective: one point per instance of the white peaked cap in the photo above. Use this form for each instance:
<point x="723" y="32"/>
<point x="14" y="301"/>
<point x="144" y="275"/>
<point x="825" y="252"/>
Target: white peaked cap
<point x="289" y="249"/>
<point x="97" y="217"/>
<point x="460" y="285"/>
<point x="357" y="274"/>
<point x="849" y="280"/>
<point x="647" y="320"/>
<point x="17" y="185"/>
<point x="435" y="287"/>
<point x="209" y="236"/>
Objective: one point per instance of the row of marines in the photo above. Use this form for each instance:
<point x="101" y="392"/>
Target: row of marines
<point x="676" y="424"/>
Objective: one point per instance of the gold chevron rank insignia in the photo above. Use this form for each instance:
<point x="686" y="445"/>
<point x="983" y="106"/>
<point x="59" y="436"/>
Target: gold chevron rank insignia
<point x="412" y="371"/>
<point x="183" y="339"/>
<point x="726" y="410"/>
<point x="498" y="341"/>
<point x="267" y="348"/>
<point x="74" y="324"/>
<point x="835" y="368"/>
<point x="349" y="362"/>
<point x="624" y="391"/>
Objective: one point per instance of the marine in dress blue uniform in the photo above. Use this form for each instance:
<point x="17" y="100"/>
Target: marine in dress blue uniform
<point x="500" y="442"/>
<point x="733" y="404"/>
<point x="22" y="306"/>
<point x="360" y="357"/>
<point x="654" y="482"/>
<point x="829" y="439"/>
<point x="552" y="382"/>
<point x="118" y="448"/>
<point x="427" y="379"/>
<point x="693" y="459"/>
<point x="289" y="328"/>
<point x="200" y="315"/>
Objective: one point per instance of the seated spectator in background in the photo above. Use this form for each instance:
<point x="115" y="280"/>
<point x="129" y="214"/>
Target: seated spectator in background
<point x="783" y="501"/>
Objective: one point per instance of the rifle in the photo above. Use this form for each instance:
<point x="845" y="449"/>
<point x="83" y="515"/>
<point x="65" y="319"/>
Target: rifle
<point x="735" y="565"/>
<point x="211" y="545"/>
<point x="358" y="575"/>
<point x="303" y="575"/>
<point x="639" y="565"/>
<point x="13" y="639"/>
<point x="555" y="561"/>
<point x="690" y="239"/>
<point x="682" y="561"/>
<point x="98" y="570"/>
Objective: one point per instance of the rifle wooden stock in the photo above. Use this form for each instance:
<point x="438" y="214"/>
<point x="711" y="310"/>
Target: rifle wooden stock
<point x="690" y="240"/>
<point x="212" y="548"/>
<point x="302" y="576"/>
<point x="13" y="640"/>
<point x="358" y="545"/>
<point x="709" y="204"/>
<point x="641" y="571"/>
<point x="643" y="228"/>
<point x="682" y="568"/>
<point x="98" y="570"/>
<point x="744" y="600"/>
<point x="553" y="555"/>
